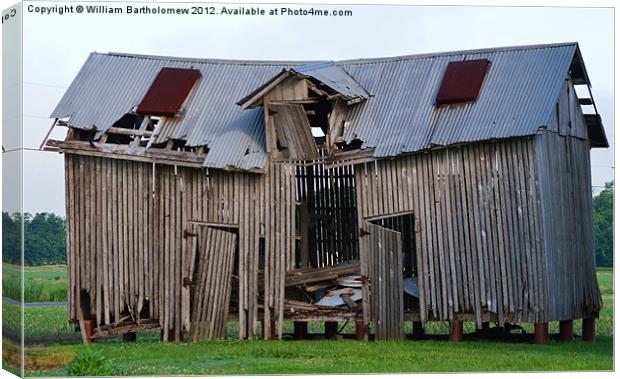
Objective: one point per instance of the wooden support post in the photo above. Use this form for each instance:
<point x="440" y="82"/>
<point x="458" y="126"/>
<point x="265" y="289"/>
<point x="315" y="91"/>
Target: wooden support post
<point x="47" y="136"/>
<point x="589" y="329"/>
<point x="418" y="330"/>
<point x="566" y="330"/>
<point x="89" y="330"/>
<point x="272" y="333"/>
<point x="301" y="330"/>
<point x="541" y="333"/>
<point x="331" y="329"/>
<point x="456" y="331"/>
<point x="172" y="336"/>
<point x="129" y="337"/>
<point x="361" y="332"/>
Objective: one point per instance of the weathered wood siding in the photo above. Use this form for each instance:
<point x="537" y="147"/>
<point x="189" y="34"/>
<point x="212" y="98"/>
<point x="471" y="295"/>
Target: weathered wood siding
<point x="479" y="247"/>
<point x="125" y="225"/>
<point x="279" y="240"/>
<point x="566" y="204"/>
<point x="567" y="119"/>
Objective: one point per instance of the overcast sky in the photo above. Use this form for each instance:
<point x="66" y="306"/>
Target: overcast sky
<point x="56" y="46"/>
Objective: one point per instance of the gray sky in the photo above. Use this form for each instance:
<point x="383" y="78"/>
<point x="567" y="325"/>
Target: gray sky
<point x="56" y="46"/>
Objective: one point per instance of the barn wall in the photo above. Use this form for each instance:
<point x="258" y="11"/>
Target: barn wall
<point x="566" y="198"/>
<point x="478" y="228"/>
<point x="567" y="117"/>
<point x="125" y="234"/>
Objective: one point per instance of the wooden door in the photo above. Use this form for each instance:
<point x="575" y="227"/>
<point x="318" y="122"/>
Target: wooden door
<point x="382" y="248"/>
<point x="212" y="284"/>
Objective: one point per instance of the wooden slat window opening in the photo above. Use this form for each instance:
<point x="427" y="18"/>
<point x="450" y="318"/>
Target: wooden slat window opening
<point x="327" y="214"/>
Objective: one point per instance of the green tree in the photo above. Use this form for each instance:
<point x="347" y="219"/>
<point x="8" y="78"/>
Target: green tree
<point x="44" y="238"/>
<point x="11" y="237"/>
<point x="603" y="218"/>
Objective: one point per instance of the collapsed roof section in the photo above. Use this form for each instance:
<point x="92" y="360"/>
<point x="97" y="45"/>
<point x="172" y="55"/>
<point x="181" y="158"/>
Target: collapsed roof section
<point x="518" y="95"/>
<point x="326" y="74"/>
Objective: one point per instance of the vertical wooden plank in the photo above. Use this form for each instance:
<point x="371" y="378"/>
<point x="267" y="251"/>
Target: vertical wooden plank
<point x="98" y="237"/>
<point x="69" y="206"/>
<point x="105" y="235"/>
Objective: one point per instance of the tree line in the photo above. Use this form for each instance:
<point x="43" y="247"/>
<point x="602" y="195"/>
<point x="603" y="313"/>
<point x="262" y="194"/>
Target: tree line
<point x="603" y="219"/>
<point x="45" y="237"/>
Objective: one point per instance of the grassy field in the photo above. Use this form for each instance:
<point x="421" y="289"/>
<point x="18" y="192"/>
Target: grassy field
<point x="298" y="357"/>
<point x="149" y="356"/>
<point x="41" y="283"/>
<point x="46" y="323"/>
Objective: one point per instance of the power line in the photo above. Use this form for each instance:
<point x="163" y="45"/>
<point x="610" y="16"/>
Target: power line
<point x="45" y="85"/>
<point x="21" y="148"/>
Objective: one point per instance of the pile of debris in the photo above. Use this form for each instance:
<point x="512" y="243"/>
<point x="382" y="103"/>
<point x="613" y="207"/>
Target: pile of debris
<point x="336" y="288"/>
<point x="330" y="290"/>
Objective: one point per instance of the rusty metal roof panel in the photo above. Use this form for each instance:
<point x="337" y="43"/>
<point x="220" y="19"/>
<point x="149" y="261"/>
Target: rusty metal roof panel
<point x="168" y="91"/>
<point x="462" y="81"/>
<point x="399" y="115"/>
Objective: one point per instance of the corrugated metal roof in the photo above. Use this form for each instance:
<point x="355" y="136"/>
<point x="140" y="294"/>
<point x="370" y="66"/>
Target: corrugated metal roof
<point x="516" y="98"/>
<point x="399" y="116"/>
<point x="334" y="77"/>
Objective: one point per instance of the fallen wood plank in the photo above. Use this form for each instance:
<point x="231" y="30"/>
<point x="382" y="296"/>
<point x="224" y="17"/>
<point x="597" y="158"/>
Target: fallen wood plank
<point x="294" y="305"/>
<point x="108" y="330"/>
<point x="302" y="276"/>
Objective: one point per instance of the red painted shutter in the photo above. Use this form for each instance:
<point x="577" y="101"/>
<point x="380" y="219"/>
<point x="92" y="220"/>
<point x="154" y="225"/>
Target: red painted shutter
<point x="462" y="81"/>
<point x="168" y="91"/>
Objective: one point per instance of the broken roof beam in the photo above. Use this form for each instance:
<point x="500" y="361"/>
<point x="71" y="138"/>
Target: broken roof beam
<point x="349" y="158"/>
<point x="108" y="150"/>
<point x="129" y="132"/>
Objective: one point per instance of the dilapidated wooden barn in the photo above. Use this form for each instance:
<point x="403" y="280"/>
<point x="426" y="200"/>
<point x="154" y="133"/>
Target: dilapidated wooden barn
<point x="442" y="187"/>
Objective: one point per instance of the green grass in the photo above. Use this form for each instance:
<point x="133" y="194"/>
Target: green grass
<point x="302" y="357"/>
<point x="41" y="283"/>
<point x="150" y="357"/>
<point x="11" y="319"/>
<point x="39" y="323"/>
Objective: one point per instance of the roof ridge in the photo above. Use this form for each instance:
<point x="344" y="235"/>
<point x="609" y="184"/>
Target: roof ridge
<point x="237" y="62"/>
<point x="240" y="62"/>
<point x="457" y="52"/>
